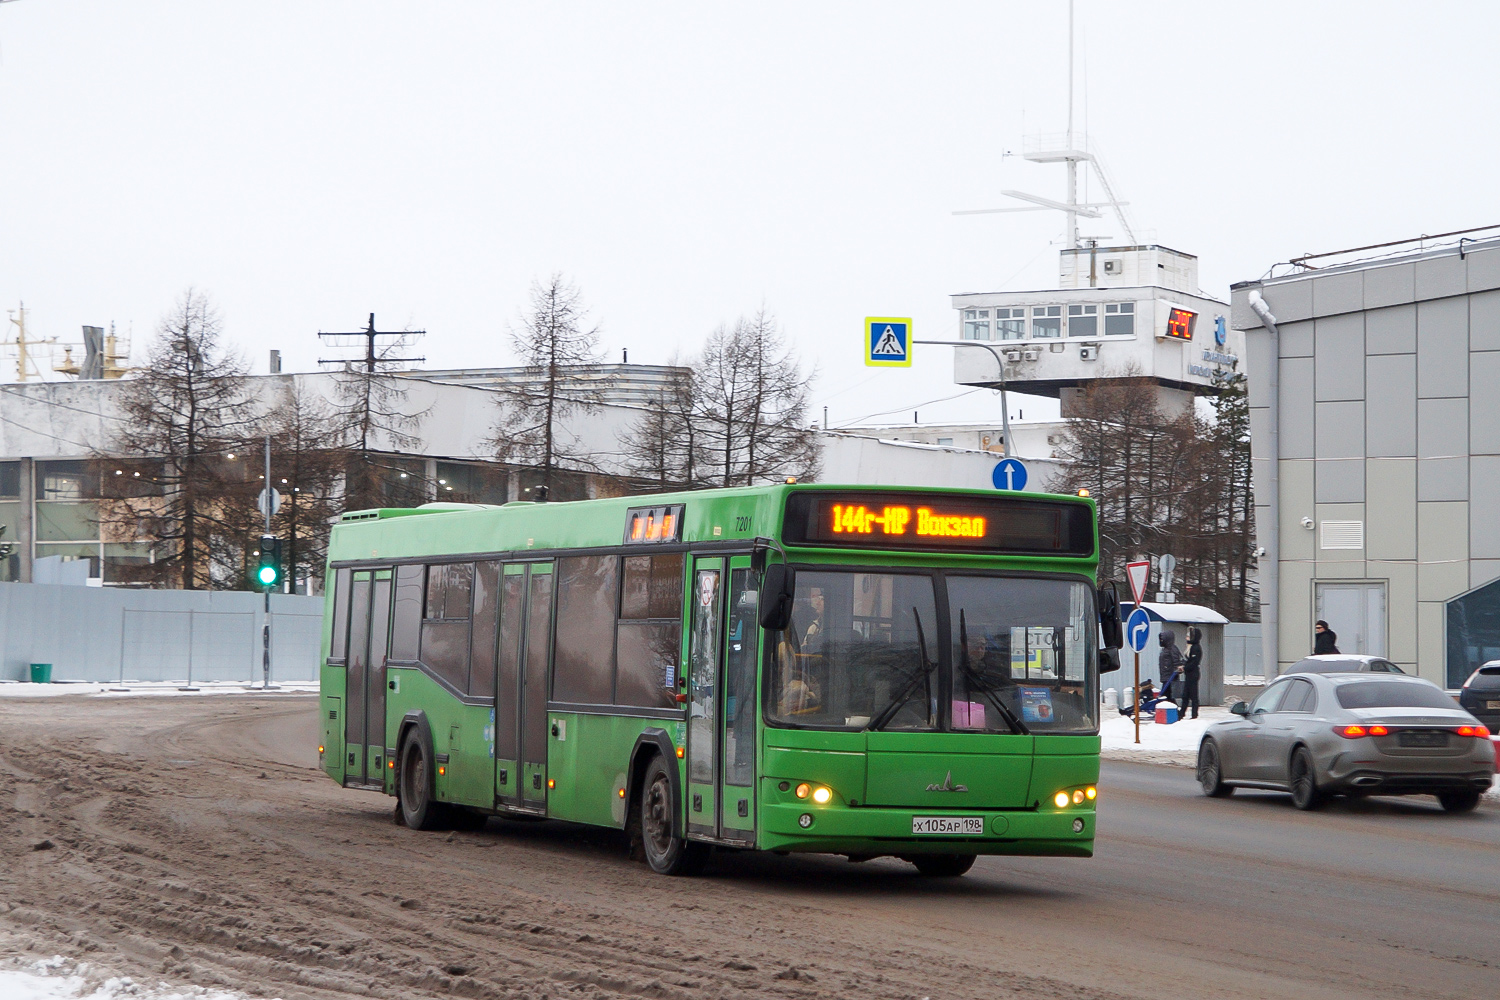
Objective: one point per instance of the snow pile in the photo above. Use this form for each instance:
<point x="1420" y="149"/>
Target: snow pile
<point x="18" y="689"/>
<point x="1160" y="744"/>
<point x="57" y="978"/>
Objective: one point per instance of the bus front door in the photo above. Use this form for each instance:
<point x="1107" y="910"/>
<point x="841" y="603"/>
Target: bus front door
<point x="364" y="712"/>
<point x="521" y="686"/>
<point x="723" y="645"/>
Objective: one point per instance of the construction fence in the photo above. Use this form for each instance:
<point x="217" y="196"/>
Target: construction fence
<point x="115" y="634"/>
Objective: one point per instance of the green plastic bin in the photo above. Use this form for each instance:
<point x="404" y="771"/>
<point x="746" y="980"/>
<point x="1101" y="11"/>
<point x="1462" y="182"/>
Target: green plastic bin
<point x="41" y="673"/>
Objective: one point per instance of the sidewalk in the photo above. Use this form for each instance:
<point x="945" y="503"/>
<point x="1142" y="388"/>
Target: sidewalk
<point x="58" y="689"/>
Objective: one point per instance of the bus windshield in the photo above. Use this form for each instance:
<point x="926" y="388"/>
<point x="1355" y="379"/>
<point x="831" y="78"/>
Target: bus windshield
<point x="864" y="651"/>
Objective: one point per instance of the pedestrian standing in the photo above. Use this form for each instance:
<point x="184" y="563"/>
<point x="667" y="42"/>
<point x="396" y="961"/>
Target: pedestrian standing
<point x="1168" y="661"/>
<point x="1325" y="639"/>
<point x="1190" y="668"/>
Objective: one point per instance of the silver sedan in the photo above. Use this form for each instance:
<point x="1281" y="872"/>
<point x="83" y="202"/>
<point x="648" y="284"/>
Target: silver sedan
<point x="1317" y="735"/>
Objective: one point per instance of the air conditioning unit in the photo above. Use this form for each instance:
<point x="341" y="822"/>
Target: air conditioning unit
<point x="1089" y="352"/>
<point x="1054" y="439"/>
<point x="1113" y="267"/>
<point x="1031" y="355"/>
<point x="1012" y="356"/>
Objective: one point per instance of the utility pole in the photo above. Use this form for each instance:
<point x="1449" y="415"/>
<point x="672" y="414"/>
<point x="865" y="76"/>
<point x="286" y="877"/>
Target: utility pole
<point x="369" y="333"/>
<point x="265" y="630"/>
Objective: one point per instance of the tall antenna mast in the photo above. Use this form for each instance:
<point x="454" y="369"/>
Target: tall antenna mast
<point x="1071" y="150"/>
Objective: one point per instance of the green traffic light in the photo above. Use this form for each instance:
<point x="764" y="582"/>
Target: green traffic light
<point x="267" y="575"/>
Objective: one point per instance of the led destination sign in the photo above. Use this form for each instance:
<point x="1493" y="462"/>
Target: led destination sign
<point x="935" y="522"/>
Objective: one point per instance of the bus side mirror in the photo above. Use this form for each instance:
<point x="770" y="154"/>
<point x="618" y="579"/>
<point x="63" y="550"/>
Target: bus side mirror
<point x="1109" y="618"/>
<point x="1109" y="660"/>
<point x="777" y="587"/>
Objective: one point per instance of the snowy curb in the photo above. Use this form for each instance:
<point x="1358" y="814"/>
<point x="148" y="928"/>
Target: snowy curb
<point x="57" y="689"/>
<point x="58" y="978"/>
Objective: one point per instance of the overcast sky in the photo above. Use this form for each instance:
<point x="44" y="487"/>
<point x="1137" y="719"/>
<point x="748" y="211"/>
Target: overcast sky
<point x="308" y="163"/>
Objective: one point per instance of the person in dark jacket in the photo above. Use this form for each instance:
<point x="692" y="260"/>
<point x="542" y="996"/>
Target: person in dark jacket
<point x="1168" y="661"/>
<point x="1325" y="639"/>
<point x="1190" y="669"/>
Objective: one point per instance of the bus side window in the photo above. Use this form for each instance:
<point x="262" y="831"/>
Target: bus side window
<point x="649" y="633"/>
<point x="406" y="620"/>
<point x="338" y="646"/>
<point x="445" y="622"/>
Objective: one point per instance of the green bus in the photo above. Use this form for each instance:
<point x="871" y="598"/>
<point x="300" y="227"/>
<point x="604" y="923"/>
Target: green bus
<point x="864" y="671"/>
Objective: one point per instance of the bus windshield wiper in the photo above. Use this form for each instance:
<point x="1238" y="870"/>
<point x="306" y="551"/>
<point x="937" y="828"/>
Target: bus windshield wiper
<point x="886" y="714"/>
<point x="975" y="684"/>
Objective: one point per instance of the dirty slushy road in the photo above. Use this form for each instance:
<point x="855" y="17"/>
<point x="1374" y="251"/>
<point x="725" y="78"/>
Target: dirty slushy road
<point x="194" y="841"/>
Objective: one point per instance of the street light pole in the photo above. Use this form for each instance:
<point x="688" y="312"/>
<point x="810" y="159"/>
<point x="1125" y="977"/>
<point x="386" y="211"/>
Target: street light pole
<point x="265" y="631"/>
<point x="1000" y="363"/>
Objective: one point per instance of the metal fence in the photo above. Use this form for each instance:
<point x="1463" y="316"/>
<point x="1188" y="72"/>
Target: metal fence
<point x="1242" y="653"/>
<point x="108" y="634"/>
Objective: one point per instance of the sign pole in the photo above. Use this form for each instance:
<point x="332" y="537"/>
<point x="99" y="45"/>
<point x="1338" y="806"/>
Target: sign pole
<point x="1136" y="697"/>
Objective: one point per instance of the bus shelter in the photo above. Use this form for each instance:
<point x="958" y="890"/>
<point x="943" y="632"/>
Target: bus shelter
<point x="1175" y="618"/>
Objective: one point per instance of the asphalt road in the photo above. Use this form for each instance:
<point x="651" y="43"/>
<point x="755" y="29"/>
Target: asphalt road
<point x="193" y="841"/>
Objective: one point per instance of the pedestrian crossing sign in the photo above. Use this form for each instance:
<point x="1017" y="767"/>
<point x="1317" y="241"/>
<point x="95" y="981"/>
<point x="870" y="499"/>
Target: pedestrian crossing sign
<point x="888" y="341"/>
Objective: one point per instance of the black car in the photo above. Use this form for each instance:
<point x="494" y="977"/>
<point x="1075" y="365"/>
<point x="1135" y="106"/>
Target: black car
<point x="1480" y="696"/>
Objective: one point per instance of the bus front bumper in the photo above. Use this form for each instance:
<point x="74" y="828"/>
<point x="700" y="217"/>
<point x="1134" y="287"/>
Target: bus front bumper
<point x="868" y="830"/>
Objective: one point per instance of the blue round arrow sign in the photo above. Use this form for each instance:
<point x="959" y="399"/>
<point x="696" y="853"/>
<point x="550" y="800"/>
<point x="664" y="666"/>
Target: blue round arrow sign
<point x="1138" y="629"/>
<point x="1009" y="474"/>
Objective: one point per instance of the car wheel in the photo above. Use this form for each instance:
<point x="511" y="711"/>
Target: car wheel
<point x="1304" y="781"/>
<point x="419" y="810"/>
<point x="1210" y="773"/>
<point x="666" y="853"/>
<point x="943" y="865"/>
<point x="1458" y="802"/>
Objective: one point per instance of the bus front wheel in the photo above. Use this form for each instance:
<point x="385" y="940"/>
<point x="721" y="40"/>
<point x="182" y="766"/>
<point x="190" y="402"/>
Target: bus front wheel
<point x="943" y="865"/>
<point x="666" y="853"/>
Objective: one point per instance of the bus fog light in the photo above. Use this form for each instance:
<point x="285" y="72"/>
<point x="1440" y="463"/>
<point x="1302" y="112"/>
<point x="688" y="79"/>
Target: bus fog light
<point x="803" y="790"/>
<point x="1060" y="800"/>
<point x="1078" y="797"/>
<point x="805" y="820"/>
<point x="1078" y="826"/>
<point x="821" y="796"/>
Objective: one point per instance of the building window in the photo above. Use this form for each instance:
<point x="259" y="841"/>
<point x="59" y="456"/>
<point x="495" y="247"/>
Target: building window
<point x="976" y="324"/>
<point x="462" y="483"/>
<point x="1010" y="324"/>
<point x="1119" y="319"/>
<point x="1473" y="632"/>
<point x="945" y="441"/>
<point x="1083" y="321"/>
<point x="1046" y="321"/>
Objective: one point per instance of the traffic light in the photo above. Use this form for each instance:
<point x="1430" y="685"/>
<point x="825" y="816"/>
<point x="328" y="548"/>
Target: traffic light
<point x="268" y="569"/>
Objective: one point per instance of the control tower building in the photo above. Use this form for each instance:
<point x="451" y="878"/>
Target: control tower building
<point x="1116" y="310"/>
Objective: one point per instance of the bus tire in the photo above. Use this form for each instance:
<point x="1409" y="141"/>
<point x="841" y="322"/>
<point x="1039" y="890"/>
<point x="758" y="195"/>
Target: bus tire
<point x="415" y="782"/>
<point x="665" y="852"/>
<point x="943" y="865"/>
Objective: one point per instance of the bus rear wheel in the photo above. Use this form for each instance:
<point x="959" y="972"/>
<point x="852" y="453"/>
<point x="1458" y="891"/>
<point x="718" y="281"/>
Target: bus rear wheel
<point x="666" y="853"/>
<point x="414" y="785"/>
<point x="943" y="865"/>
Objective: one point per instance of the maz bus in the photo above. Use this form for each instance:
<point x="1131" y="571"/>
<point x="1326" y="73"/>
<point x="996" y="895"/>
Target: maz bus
<point x="855" y="670"/>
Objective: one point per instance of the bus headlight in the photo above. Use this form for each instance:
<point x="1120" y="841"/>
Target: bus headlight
<point x="821" y="795"/>
<point x="1061" y="800"/>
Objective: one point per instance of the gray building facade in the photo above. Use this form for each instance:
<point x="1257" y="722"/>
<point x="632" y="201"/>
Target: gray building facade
<point x="1375" y="401"/>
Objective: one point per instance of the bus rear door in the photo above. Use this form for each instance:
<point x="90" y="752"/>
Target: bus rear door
<point x="521" y="686"/>
<point x="364" y="713"/>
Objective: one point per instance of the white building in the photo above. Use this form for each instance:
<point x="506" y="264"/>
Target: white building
<point x="1116" y="310"/>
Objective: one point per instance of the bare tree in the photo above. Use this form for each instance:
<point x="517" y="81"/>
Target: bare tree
<point x="751" y="406"/>
<point x="183" y="414"/>
<point x="1165" y="483"/>
<point x="662" y="449"/>
<point x="309" y="467"/>
<point x="553" y="338"/>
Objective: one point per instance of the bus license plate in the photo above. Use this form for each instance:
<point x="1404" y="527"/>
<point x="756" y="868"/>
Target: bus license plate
<point x="1492" y="705"/>
<point x="969" y="826"/>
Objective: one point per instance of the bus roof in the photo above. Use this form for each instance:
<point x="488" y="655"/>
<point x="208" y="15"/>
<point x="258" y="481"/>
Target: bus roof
<point x="714" y="515"/>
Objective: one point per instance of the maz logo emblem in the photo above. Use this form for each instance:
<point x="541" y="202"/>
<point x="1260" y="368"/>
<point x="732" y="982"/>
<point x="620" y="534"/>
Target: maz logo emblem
<point x="947" y="785"/>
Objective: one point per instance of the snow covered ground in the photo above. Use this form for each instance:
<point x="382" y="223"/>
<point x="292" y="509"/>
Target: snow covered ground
<point x="58" y="978"/>
<point x="1160" y="744"/>
<point x="16" y="689"/>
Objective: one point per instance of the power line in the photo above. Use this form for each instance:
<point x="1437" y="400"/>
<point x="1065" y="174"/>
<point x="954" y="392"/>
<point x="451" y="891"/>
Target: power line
<point x="909" y="406"/>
